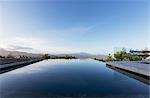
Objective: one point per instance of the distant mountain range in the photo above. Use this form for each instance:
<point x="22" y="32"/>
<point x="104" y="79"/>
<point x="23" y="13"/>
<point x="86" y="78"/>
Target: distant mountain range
<point x="83" y="55"/>
<point x="4" y="52"/>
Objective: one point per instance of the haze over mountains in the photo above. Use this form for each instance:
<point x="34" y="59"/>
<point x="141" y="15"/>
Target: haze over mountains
<point x="4" y="52"/>
<point x="84" y="55"/>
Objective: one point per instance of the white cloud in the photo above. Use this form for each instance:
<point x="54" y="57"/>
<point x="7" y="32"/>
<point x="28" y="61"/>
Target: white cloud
<point x="31" y="44"/>
<point x="52" y="41"/>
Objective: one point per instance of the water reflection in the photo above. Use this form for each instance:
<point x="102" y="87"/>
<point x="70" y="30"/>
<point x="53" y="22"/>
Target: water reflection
<point x="62" y="78"/>
<point x="140" y="78"/>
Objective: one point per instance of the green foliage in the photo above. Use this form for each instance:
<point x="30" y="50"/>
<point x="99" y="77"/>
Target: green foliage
<point x="69" y="57"/>
<point x="135" y="58"/>
<point x="109" y="58"/>
<point x="125" y="59"/>
<point x="119" y="56"/>
<point x="63" y="57"/>
<point x="124" y="56"/>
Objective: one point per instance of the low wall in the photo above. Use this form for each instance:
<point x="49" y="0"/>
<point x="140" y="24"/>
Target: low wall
<point x="13" y="60"/>
<point x="133" y="66"/>
<point x="21" y="63"/>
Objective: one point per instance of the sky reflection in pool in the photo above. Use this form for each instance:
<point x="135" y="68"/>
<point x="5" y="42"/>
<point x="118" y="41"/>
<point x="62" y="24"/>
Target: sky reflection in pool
<point x="69" y="78"/>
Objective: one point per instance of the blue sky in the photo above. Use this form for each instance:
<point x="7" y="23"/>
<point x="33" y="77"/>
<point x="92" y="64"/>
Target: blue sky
<point x="67" y="26"/>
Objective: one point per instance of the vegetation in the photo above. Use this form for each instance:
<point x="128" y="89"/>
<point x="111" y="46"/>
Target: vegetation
<point x="103" y="60"/>
<point x="63" y="57"/>
<point x="135" y="58"/>
<point x="24" y="57"/>
<point x="2" y="56"/>
<point x="123" y="55"/>
<point x="109" y="58"/>
<point x="69" y="57"/>
<point x="119" y="56"/>
<point x="46" y="56"/>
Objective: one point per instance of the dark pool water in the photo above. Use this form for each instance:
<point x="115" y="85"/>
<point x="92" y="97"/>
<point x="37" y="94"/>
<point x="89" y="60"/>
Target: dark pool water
<point x="69" y="78"/>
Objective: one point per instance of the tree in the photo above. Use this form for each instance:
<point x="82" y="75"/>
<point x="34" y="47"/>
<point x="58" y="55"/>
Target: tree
<point x="125" y="59"/>
<point x="109" y="58"/>
<point x="135" y="58"/>
<point x="46" y="56"/>
<point x="124" y="56"/>
<point x="120" y="55"/>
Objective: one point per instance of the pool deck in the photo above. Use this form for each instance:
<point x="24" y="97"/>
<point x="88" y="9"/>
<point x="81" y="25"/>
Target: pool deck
<point x="132" y="66"/>
<point x="11" y="66"/>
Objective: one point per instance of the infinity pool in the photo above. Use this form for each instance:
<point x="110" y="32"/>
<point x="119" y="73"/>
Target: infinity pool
<point x="69" y="78"/>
